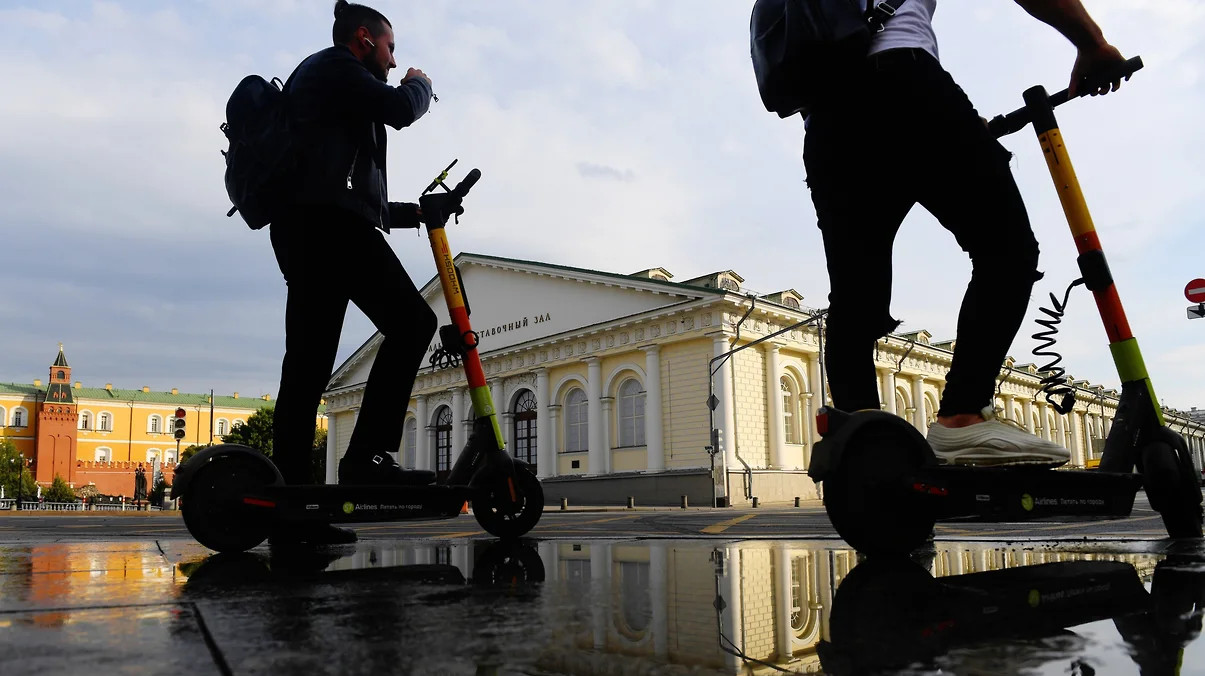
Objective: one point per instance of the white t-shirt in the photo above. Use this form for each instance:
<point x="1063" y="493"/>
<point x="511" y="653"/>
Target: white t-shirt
<point x="912" y="26"/>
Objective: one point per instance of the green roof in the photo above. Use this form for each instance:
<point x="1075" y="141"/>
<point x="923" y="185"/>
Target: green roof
<point x="17" y="388"/>
<point x="166" y="398"/>
<point x="182" y="399"/>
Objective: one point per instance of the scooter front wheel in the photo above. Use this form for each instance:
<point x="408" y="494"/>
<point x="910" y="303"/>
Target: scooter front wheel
<point x="214" y="506"/>
<point x="506" y="507"/>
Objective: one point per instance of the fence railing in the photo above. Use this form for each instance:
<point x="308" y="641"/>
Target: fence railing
<point x="35" y="506"/>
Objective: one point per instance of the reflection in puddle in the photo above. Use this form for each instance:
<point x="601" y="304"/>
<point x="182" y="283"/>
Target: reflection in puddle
<point x="617" y="607"/>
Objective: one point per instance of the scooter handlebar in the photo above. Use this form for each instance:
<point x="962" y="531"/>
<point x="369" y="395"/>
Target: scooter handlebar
<point x="1003" y="125"/>
<point x="466" y="184"/>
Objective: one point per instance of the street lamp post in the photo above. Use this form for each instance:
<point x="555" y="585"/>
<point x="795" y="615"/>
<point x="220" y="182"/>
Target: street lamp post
<point x="20" y="479"/>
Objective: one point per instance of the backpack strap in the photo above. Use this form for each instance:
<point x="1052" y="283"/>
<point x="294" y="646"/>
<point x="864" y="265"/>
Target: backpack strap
<point x="880" y="12"/>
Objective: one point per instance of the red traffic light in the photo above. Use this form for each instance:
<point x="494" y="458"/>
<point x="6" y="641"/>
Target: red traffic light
<point x="180" y="413"/>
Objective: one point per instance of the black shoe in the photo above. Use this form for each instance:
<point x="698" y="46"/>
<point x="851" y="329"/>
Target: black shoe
<point x="310" y="534"/>
<point x="380" y="470"/>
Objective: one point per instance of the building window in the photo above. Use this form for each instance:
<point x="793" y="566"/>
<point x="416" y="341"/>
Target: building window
<point x="152" y="455"/>
<point x="62" y="375"/>
<point x="525" y="428"/>
<point x="409" y="439"/>
<point x="443" y="441"/>
<point x="18" y="417"/>
<point x="169" y="457"/>
<point x="154" y="424"/>
<point x="790" y="408"/>
<point x="222" y="426"/>
<point x="631" y="413"/>
<point x="104" y="423"/>
<point x="729" y="285"/>
<point x="103" y="454"/>
<point x="85" y="421"/>
<point x="3" y="417"/>
<point x="577" y="421"/>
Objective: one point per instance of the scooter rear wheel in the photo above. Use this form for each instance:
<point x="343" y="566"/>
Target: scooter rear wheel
<point x="497" y="513"/>
<point x="1174" y="496"/>
<point x="868" y="498"/>
<point x="213" y="506"/>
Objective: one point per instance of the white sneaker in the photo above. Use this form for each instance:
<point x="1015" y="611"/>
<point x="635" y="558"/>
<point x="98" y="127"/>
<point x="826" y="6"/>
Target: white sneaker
<point x="993" y="442"/>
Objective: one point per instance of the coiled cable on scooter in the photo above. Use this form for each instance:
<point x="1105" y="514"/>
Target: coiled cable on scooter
<point x="1054" y="383"/>
<point x="444" y="359"/>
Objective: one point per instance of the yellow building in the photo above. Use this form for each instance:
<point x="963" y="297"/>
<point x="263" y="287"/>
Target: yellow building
<point x="113" y="429"/>
<point x="603" y="382"/>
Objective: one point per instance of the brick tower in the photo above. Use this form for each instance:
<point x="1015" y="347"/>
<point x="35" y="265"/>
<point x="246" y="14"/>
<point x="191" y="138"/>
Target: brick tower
<point x="57" y="422"/>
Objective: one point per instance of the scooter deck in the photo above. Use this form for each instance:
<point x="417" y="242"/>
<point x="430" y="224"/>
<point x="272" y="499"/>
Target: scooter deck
<point x="346" y="504"/>
<point x="1021" y="494"/>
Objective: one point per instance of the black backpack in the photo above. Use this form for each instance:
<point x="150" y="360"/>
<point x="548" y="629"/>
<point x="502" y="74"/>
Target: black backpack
<point x="262" y="158"/>
<point x="802" y="48"/>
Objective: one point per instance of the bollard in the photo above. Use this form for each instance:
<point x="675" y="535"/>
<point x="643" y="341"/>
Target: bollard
<point x="796" y="500"/>
<point x="755" y="502"/>
<point x="631" y="502"/>
<point x="564" y="504"/>
<point x="685" y="503"/>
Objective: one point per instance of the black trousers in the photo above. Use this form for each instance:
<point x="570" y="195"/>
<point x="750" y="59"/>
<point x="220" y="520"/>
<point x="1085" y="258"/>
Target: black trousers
<point x="328" y="258"/>
<point x="901" y="133"/>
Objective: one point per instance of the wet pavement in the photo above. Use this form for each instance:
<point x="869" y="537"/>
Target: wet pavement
<point x="149" y="601"/>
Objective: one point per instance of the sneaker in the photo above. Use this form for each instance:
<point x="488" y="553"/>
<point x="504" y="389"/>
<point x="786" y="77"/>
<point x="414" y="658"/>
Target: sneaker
<point x="995" y="441"/>
<point x="380" y="470"/>
<point x="310" y="534"/>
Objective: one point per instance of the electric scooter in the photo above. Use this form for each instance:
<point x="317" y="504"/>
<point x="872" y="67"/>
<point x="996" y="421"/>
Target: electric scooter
<point x="883" y="487"/>
<point x="232" y="495"/>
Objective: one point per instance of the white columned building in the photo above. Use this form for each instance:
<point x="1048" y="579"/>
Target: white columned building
<point x="545" y="453"/>
<point x="778" y="445"/>
<point x="653" y="419"/>
<point x="551" y="329"/>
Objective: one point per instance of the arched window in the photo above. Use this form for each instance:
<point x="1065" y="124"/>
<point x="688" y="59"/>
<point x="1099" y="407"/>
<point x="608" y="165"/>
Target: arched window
<point x="631" y="413"/>
<point x="930" y="414"/>
<point x="223" y="427"/>
<point x="790" y="408"/>
<point x="85" y="421"/>
<point x="3" y="417"/>
<point x="577" y="421"/>
<point x="443" y="441"/>
<point x="901" y="404"/>
<point x="525" y="427"/>
<point x="409" y="443"/>
<point x="169" y="456"/>
<point x="104" y="454"/>
<point x="154" y="424"/>
<point x="19" y="415"/>
<point x="729" y="285"/>
<point x="152" y="455"/>
<point x="790" y="302"/>
<point x="104" y="422"/>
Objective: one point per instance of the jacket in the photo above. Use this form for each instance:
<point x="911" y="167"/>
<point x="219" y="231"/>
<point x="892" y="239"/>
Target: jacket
<point x="340" y="110"/>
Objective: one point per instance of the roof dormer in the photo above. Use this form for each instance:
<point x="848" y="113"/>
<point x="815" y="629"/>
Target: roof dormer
<point x="726" y="280"/>
<point x="659" y="274"/>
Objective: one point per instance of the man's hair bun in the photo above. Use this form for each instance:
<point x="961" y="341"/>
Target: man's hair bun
<point x="340" y="7"/>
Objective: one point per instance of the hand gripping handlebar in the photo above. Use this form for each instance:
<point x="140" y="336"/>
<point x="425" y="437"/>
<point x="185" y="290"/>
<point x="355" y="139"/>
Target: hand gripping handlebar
<point x="437" y="208"/>
<point x="1003" y="125"/>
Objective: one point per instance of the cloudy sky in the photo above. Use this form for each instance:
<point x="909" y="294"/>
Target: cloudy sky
<point x="612" y="134"/>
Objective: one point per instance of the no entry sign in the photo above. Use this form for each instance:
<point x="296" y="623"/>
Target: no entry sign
<point x="1195" y="291"/>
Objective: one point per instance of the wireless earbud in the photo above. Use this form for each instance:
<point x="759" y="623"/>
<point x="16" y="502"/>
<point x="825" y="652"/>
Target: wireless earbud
<point x="370" y="43"/>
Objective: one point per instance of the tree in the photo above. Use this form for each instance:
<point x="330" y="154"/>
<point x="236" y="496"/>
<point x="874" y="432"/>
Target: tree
<point x="191" y="450"/>
<point x="318" y="456"/>
<point x="158" y="491"/>
<point x="256" y="432"/>
<point x="9" y="471"/>
<point x="59" y="491"/>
